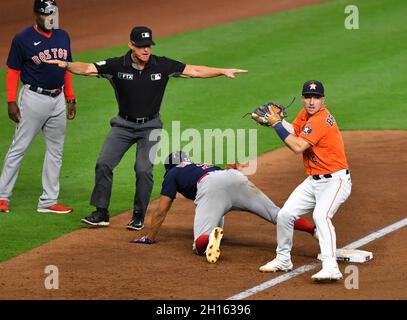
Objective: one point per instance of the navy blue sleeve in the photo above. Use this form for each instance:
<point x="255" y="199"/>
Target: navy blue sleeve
<point x="69" y="51"/>
<point x="15" y="56"/>
<point x="169" y="186"/>
<point x="174" y="67"/>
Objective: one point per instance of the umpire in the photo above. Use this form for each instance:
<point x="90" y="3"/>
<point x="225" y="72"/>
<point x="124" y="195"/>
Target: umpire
<point x="139" y="79"/>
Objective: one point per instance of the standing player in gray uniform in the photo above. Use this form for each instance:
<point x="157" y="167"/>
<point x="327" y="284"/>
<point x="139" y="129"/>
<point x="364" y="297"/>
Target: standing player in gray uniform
<point x="41" y="104"/>
<point x="215" y="192"/>
<point x="139" y="79"/>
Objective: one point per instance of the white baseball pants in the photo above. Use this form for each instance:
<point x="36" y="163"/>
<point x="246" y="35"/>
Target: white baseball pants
<point x="324" y="197"/>
<point x="225" y="190"/>
<point x="38" y="113"/>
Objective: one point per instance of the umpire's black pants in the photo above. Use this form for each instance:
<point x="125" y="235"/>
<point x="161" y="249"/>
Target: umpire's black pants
<point x="121" y="137"/>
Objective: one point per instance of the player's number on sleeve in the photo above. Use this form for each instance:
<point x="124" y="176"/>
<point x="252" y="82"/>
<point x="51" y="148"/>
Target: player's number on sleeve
<point x="330" y="120"/>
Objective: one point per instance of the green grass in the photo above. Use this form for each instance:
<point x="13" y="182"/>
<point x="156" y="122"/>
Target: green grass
<point x="364" y="73"/>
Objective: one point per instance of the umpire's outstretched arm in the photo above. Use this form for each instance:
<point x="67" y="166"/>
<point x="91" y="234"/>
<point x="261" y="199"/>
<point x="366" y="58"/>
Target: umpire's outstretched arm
<point x="192" y="71"/>
<point x="80" y="68"/>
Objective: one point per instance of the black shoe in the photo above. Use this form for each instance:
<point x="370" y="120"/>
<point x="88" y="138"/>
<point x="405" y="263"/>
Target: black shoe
<point x="137" y="223"/>
<point x="97" y="218"/>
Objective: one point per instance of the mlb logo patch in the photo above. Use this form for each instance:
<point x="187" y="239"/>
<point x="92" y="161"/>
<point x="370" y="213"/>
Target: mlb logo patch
<point x="156" y="76"/>
<point x="145" y="35"/>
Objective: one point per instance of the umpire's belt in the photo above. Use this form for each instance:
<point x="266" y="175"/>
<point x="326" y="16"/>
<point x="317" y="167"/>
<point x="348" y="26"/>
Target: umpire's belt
<point x="330" y="175"/>
<point x="52" y="93"/>
<point x="138" y="120"/>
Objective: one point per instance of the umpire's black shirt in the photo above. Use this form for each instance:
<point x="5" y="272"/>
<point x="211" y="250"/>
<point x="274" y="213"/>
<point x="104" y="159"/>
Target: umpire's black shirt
<point x="139" y="92"/>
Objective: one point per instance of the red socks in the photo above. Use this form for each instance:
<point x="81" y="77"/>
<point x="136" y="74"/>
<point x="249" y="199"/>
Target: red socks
<point x="303" y="224"/>
<point x="201" y="243"/>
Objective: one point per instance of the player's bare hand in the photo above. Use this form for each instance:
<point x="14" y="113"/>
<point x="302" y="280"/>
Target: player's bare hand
<point x="230" y="73"/>
<point x="71" y="111"/>
<point x="14" y="112"/>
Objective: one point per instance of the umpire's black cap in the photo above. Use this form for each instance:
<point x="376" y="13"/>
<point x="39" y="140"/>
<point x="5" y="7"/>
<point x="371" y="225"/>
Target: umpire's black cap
<point x="45" y="7"/>
<point x="313" y="87"/>
<point x="142" y="36"/>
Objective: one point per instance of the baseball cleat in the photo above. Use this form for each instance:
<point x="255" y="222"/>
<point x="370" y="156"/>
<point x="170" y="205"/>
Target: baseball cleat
<point x="276" y="265"/>
<point x="212" y="250"/>
<point x="327" y="275"/>
<point x="97" y="219"/>
<point x="137" y="222"/>
<point x="56" y="208"/>
<point x="4" y="206"/>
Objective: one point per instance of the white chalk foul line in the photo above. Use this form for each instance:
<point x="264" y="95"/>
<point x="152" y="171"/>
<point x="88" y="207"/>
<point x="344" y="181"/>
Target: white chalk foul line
<point x="354" y="245"/>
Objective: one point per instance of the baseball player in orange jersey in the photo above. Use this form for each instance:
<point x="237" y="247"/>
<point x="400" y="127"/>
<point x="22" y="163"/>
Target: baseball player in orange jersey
<point x="316" y="135"/>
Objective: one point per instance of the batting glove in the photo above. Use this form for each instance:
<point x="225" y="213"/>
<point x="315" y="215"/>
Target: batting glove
<point x="143" y="240"/>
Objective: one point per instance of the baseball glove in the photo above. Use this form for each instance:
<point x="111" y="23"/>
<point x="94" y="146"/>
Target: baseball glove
<point x="274" y="111"/>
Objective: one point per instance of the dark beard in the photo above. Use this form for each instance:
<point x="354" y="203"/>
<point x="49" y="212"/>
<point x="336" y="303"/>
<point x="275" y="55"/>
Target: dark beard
<point x="43" y="29"/>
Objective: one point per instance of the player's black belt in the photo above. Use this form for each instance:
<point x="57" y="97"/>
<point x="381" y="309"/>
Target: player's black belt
<point x="320" y="176"/>
<point x="52" y="93"/>
<point x="138" y="120"/>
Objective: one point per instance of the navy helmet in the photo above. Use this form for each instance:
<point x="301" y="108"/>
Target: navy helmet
<point x="45" y="7"/>
<point x="175" y="159"/>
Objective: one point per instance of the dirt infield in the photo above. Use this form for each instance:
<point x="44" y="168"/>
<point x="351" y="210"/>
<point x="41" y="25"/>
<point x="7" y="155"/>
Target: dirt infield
<point x="101" y="264"/>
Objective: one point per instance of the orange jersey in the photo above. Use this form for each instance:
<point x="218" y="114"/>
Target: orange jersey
<point x="327" y="151"/>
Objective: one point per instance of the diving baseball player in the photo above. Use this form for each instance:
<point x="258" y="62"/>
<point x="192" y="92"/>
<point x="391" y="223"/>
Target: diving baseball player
<point x="41" y="103"/>
<point x="328" y="185"/>
<point x="215" y="192"/>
